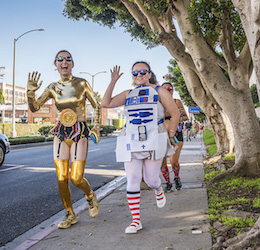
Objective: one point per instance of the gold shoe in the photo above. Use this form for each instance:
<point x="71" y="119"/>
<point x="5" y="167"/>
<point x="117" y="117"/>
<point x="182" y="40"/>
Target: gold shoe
<point x="68" y="220"/>
<point x="93" y="206"/>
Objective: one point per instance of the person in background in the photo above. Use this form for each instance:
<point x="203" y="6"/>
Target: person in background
<point x="71" y="132"/>
<point x="195" y="127"/>
<point x="174" y="158"/>
<point x="201" y="128"/>
<point x="188" y="126"/>
<point x="144" y="141"/>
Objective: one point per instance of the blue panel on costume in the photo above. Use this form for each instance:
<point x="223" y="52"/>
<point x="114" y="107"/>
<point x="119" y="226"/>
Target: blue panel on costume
<point x="128" y="147"/>
<point x="143" y="99"/>
<point x="143" y="92"/>
<point x="132" y="136"/>
<point x="155" y="98"/>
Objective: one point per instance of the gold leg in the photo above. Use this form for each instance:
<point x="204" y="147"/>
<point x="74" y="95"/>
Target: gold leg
<point x="77" y="176"/>
<point x="62" y="170"/>
<point x="78" y="180"/>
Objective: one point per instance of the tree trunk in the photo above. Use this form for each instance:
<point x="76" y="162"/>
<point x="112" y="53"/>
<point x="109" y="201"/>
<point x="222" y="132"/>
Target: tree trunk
<point x="219" y="122"/>
<point x="222" y="133"/>
<point x="234" y="97"/>
<point x="249" y="12"/>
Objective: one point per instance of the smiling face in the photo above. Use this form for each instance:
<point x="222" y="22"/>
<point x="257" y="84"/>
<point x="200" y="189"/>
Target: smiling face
<point x="63" y="66"/>
<point x="141" y="79"/>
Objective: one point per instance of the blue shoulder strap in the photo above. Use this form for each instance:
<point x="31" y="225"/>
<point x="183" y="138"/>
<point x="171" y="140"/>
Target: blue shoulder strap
<point x="156" y="88"/>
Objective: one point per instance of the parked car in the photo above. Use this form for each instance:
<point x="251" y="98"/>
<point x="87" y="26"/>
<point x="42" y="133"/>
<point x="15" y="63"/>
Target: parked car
<point x="4" y="147"/>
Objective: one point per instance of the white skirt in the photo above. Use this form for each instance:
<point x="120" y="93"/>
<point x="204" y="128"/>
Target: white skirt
<point x="150" y="155"/>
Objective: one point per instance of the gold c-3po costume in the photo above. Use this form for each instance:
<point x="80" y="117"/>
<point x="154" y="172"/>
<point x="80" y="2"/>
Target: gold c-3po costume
<point x="70" y="98"/>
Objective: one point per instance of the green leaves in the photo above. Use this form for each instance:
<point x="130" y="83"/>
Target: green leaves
<point x="208" y="17"/>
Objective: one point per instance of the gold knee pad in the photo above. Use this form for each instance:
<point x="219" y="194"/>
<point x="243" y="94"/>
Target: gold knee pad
<point x="62" y="170"/>
<point x="77" y="176"/>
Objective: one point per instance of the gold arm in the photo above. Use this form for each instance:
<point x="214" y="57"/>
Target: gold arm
<point x="95" y="104"/>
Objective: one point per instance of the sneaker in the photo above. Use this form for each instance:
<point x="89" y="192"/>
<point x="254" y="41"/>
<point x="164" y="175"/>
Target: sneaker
<point x="93" y="207"/>
<point x="168" y="188"/>
<point x="134" y="227"/>
<point x="68" y="220"/>
<point x="160" y="200"/>
<point x="178" y="184"/>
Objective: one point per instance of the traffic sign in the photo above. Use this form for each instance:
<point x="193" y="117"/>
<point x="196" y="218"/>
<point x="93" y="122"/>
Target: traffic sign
<point x="194" y="110"/>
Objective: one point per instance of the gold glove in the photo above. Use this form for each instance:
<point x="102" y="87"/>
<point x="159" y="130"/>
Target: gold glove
<point x="32" y="84"/>
<point x="94" y="135"/>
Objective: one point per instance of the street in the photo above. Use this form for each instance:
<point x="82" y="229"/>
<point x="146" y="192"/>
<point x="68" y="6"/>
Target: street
<point x="28" y="185"/>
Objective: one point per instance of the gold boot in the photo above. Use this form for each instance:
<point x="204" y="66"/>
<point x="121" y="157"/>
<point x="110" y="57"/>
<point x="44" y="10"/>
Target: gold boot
<point x="68" y="220"/>
<point x="93" y="206"/>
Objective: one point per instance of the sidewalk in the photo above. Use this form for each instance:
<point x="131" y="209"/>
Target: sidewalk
<point x="180" y="225"/>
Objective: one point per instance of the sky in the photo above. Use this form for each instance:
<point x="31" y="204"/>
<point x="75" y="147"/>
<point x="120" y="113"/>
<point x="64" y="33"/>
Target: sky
<point x="94" y="48"/>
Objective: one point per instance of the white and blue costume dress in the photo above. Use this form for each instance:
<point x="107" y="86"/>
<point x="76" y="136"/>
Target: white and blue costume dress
<point x="144" y="135"/>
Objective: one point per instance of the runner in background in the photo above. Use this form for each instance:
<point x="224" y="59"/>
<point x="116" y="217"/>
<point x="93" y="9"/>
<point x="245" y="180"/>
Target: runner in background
<point x="174" y="158"/>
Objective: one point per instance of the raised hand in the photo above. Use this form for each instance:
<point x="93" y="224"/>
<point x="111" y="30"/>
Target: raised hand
<point x="115" y="73"/>
<point x="32" y="84"/>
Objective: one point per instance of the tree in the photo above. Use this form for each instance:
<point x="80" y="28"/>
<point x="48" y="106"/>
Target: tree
<point x="222" y="100"/>
<point x="249" y="11"/>
<point x="2" y="99"/>
<point x="176" y="78"/>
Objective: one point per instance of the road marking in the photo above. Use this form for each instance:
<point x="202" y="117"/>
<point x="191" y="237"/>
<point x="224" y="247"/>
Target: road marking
<point x="18" y="166"/>
<point x="92" y="150"/>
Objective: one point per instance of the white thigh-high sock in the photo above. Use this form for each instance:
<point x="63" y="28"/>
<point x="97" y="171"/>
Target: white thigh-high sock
<point x="152" y="170"/>
<point x="133" y="171"/>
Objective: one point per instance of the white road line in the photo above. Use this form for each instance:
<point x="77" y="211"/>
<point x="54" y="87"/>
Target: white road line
<point x="92" y="150"/>
<point x="6" y="169"/>
<point x="21" y="166"/>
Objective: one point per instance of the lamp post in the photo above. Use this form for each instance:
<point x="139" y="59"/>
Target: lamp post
<point x="14" y="134"/>
<point x="93" y="76"/>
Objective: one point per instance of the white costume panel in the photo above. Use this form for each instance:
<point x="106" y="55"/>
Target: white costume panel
<point x="143" y="114"/>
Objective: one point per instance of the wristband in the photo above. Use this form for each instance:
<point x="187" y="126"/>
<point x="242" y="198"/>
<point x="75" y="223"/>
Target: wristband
<point x="175" y="139"/>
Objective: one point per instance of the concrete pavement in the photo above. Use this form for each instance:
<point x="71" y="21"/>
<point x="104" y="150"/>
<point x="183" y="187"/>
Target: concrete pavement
<point x="180" y="225"/>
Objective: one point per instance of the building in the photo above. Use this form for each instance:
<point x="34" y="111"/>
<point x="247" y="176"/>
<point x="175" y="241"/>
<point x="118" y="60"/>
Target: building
<point x="20" y="103"/>
<point x="46" y="115"/>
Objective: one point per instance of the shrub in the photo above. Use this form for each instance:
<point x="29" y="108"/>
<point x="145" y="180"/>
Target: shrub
<point x="45" y="130"/>
<point x="106" y="129"/>
<point x="119" y="123"/>
<point x="27" y="139"/>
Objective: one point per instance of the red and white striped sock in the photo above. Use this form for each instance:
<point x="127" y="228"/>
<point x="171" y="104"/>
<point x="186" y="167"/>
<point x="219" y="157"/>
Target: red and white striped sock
<point x="134" y="206"/>
<point x="160" y="197"/>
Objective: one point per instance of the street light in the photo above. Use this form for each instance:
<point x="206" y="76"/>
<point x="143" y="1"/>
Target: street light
<point x="14" y="134"/>
<point x="93" y="76"/>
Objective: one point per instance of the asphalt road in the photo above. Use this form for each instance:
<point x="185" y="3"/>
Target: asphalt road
<point x="28" y="185"/>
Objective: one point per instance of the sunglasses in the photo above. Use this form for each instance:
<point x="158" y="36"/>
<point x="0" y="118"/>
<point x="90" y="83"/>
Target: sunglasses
<point x="61" y="58"/>
<point x="142" y="72"/>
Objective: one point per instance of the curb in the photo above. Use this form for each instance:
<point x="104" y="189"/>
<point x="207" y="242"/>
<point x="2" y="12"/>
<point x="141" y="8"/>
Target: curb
<point x="101" y="194"/>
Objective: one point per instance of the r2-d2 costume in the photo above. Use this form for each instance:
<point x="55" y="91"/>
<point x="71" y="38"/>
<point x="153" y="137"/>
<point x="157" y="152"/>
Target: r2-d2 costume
<point x="144" y="135"/>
